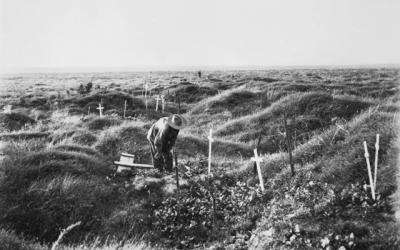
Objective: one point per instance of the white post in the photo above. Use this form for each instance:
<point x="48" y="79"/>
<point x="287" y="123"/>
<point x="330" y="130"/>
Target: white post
<point x="210" y="141"/>
<point x="157" y="100"/>
<point x="163" y="103"/>
<point x="258" y="160"/>
<point x="100" y="108"/>
<point x="376" y="160"/>
<point x="7" y="109"/>
<point x="124" y="108"/>
<point x="371" y="182"/>
<point x="145" y="94"/>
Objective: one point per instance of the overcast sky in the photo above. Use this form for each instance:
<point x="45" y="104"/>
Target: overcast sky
<point x="165" y="33"/>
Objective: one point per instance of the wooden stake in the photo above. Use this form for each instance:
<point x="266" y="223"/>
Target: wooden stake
<point x="289" y="144"/>
<point x="258" y="161"/>
<point x="124" y="108"/>
<point x="371" y="182"/>
<point x="176" y="169"/>
<point x="210" y="141"/>
<point x="376" y="160"/>
<point x="179" y="105"/>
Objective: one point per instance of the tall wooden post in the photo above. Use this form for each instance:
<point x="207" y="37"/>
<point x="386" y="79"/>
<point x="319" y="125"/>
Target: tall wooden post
<point x="176" y="169"/>
<point x="376" y="159"/>
<point x="289" y="144"/>
<point x="210" y="141"/>
<point x="124" y="108"/>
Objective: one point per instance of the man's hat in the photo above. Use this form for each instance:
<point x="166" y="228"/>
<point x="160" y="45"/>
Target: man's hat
<point x="176" y="121"/>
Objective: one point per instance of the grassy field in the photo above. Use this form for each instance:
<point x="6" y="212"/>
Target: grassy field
<point x="57" y="153"/>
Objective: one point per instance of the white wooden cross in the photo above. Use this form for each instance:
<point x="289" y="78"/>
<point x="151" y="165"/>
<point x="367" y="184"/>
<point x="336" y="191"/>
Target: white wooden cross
<point x="258" y="161"/>
<point x="210" y="141"/>
<point x="158" y="99"/>
<point x="163" y="103"/>
<point x="371" y="181"/>
<point x="7" y="109"/>
<point x="100" y="108"/>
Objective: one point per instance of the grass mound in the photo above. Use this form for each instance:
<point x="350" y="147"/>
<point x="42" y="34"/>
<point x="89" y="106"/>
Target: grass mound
<point x="312" y="111"/>
<point x="77" y="148"/>
<point x="99" y="123"/>
<point x="45" y="191"/>
<point x="129" y="138"/>
<point x="14" y="121"/>
<point x="190" y="92"/>
<point x="237" y="101"/>
<point x="337" y="156"/>
<point x="84" y="137"/>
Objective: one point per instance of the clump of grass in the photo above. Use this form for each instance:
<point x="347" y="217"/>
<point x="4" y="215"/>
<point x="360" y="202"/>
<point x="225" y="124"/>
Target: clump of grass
<point x="10" y="241"/>
<point x="14" y="121"/>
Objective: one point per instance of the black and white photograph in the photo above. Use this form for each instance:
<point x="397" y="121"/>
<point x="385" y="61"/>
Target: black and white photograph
<point x="199" y="124"/>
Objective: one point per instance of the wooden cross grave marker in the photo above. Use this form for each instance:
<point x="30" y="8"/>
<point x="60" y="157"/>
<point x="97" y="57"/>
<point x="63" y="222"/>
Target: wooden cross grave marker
<point x="163" y="103"/>
<point x="258" y="161"/>
<point x="126" y="162"/>
<point x="7" y="109"/>
<point x="100" y="108"/>
<point x="158" y="99"/>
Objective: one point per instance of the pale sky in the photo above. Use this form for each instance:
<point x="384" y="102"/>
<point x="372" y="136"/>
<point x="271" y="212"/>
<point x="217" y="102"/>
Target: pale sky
<point x="167" y="33"/>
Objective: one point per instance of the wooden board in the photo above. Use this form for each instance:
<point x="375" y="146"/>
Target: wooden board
<point x="134" y="165"/>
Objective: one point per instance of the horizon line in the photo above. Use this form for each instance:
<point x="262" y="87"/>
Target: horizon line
<point x="177" y="68"/>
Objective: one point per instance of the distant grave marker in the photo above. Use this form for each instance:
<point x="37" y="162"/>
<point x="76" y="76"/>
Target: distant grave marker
<point x="158" y="99"/>
<point x="257" y="159"/>
<point x="100" y="108"/>
<point x="163" y="103"/>
<point x="7" y="109"/>
<point x="210" y="141"/>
